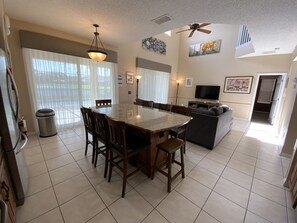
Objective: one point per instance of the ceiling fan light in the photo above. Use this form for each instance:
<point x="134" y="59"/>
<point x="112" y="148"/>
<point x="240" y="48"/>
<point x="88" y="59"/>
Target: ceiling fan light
<point x="97" y="55"/>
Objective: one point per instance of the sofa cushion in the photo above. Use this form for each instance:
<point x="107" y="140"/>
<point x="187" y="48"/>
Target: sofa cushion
<point x="225" y="108"/>
<point x="217" y="110"/>
<point x="203" y="111"/>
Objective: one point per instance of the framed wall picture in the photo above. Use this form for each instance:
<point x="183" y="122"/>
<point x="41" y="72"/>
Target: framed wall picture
<point x="130" y="77"/>
<point x="238" y="84"/>
<point x="188" y="82"/>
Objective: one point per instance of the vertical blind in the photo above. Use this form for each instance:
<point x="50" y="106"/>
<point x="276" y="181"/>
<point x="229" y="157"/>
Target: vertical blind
<point x="65" y="83"/>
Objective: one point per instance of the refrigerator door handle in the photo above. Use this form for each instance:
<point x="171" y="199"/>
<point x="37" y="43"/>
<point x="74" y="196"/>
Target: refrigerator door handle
<point x="15" y="90"/>
<point x="3" y="211"/>
<point x="24" y="144"/>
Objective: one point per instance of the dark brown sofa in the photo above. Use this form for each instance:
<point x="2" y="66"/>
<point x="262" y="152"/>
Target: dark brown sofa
<point x="208" y="127"/>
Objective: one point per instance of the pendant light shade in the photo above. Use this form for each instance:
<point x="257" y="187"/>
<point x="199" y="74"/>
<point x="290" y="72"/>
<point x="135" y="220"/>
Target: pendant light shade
<point x="95" y="53"/>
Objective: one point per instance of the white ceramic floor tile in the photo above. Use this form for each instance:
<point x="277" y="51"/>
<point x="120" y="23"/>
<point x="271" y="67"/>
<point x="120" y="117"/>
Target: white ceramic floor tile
<point x="65" y="172"/>
<point x="52" y="145"/>
<point x="269" y="191"/>
<point x="36" y="205"/>
<point x="86" y="164"/>
<point x="71" y="188"/>
<point x="238" y="177"/>
<point x="193" y="157"/>
<point x="244" y="158"/>
<point x="247" y="149"/>
<point x="132" y="208"/>
<point x="177" y="208"/>
<point x="33" y="159"/>
<point x="218" y="157"/>
<point x="242" y="167"/>
<point x="233" y="192"/>
<point x="204" y="176"/>
<point x="267" y="209"/>
<point x="59" y="161"/>
<point x="137" y="179"/>
<point x="205" y="218"/>
<point x="223" y="151"/>
<point x="83" y="207"/>
<point x="154" y="217"/>
<point x="154" y="191"/>
<point x="111" y="191"/>
<point x="194" y="191"/>
<point x="223" y="209"/>
<point x="53" y="216"/>
<point x="48" y="140"/>
<point x="36" y="169"/>
<point x="96" y="175"/>
<point x="70" y="141"/>
<point x="77" y="146"/>
<point x="79" y="154"/>
<point x="103" y="217"/>
<point x="29" y="151"/>
<point x="38" y="183"/>
<point x="271" y="167"/>
<point x="53" y="153"/>
<point x="269" y="177"/>
<point x="212" y="166"/>
<point x="252" y="218"/>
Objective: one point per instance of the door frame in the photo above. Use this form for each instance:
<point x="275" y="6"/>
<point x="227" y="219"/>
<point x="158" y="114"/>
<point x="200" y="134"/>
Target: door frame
<point x="281" y="93"/>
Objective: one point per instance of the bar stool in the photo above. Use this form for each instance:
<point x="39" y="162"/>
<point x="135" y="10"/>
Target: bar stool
<point x="171" y="146"/>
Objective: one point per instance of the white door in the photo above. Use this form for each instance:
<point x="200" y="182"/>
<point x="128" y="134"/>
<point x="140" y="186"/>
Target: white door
<point x="276" y="99"/>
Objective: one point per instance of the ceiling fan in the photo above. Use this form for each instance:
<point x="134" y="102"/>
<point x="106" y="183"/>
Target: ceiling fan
<point x="196" y="26"/>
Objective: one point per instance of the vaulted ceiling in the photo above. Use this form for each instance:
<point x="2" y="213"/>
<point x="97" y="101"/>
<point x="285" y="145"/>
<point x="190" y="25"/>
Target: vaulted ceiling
<point x="271" y="23"/>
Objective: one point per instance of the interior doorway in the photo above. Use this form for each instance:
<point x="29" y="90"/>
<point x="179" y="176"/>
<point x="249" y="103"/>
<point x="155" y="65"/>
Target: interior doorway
<point x="268" y="98"/>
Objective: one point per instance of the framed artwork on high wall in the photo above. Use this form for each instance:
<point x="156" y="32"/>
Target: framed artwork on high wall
<point x="238" y="84"/>
<point x="130" y="77"/>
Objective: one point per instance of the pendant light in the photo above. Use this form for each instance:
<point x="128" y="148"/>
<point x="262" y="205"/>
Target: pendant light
<point x="95" y="53"/>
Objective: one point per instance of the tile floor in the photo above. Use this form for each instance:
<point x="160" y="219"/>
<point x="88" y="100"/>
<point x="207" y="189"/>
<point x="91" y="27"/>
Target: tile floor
<point x="238" y="181"/>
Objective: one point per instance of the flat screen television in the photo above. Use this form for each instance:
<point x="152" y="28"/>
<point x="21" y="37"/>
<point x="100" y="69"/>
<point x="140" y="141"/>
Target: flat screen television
<point x="207" y="92"/>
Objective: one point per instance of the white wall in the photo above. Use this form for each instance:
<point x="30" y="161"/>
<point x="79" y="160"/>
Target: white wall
<point x="127" y="62"/>
<point x="212" y="69"/>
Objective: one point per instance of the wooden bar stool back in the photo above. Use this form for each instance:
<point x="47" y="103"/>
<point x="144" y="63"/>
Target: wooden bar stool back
<point x="180" y="132"/>
<point x="122" y="148"/>
<point x="101" y="136"/>
<point x="87" y="118"/>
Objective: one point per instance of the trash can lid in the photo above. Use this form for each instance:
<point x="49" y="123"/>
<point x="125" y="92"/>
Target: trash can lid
<point x="45" y="112"/>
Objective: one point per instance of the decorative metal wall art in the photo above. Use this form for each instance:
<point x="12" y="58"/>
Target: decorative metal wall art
<point x="155" y="45"/>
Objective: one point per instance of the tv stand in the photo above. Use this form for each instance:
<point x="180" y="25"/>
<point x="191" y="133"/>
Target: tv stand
<point x="203" y="104"/>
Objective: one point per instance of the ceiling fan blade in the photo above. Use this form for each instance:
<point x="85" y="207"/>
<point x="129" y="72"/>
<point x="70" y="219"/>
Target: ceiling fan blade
<point x="204" y="24"/>
<point x="204" y="31"/>
<point x="183" y="30"/>
<point x="191" y="34"/>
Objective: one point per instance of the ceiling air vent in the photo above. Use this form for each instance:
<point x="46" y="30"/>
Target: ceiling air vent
<point x="161" y="19"/>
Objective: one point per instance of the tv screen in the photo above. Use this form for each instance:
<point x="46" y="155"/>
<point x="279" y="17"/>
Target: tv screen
<point x="207" y="92"/>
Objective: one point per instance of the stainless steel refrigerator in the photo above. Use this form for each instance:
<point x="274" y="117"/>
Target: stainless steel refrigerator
<point x="10" y="133"/>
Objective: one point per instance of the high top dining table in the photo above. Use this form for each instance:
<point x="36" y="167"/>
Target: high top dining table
<point x="150" y="124"/>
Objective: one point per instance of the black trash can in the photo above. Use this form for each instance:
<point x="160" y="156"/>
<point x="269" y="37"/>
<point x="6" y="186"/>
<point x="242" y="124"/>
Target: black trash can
<point x="46" y="122"/>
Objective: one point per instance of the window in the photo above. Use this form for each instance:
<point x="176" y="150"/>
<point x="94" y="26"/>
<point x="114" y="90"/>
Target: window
<point x="153" y="85"/>
<point x="65" y="83"/>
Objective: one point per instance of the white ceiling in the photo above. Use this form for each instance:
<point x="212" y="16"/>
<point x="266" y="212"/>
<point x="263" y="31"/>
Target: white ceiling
<point x="271" y="23"/>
